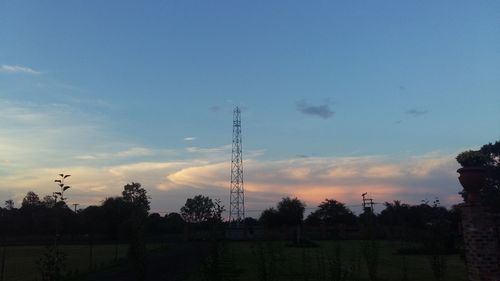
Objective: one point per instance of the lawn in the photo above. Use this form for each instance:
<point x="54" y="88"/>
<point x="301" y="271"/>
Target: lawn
<point x="253" y="261"/>
<point x="21" y="261"/>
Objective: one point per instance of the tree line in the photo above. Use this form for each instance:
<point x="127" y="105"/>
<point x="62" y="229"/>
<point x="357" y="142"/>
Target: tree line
<point x="117" y="216"/>
<point x="114" y="216"/>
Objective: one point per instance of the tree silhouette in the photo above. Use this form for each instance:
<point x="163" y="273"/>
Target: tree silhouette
<point x="174" y="223"/>
<point x="332" y="212"/>
<point x="291" y="211"/>
<point x="200" y="209"/>
<point x="31" y="200"/>
<point x="9" y="204"/>
<point x="270" y="218"/>
<point x="136" y="195"/>
<point x="491" y="192"/>
<point x="115" y="213"/>
<point x="216" y="212"/>
<point x="48" y="201"/>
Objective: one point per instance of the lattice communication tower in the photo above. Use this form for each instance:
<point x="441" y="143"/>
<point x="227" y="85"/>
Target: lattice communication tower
<point x="237" y="197"/>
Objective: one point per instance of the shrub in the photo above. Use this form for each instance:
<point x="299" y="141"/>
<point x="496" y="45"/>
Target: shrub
<point x="472" y="158"/>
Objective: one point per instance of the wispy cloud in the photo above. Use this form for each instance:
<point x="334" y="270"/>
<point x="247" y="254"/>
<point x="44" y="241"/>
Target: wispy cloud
<point x="128" y="153"/>
<point x="210" y="150"/>
<point x="215" y="108"/>
<point x="33" y="150"/>
<point x="32" y="134"/>
<point x="134" y="152"/>
<point x="416" y="112"/>
<point x="343" y="178"/>
<point x="189" y="138"/>
<point x="18" y="69"/>
<point x="311" y="179"/>
<point x="322" y="111"/>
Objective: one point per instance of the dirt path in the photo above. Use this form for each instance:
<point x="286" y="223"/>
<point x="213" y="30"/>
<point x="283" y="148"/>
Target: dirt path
<point x="173" y="264"/>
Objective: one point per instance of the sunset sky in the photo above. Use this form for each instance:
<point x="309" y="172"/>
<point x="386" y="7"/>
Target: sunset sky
<point x="338" y="97"/>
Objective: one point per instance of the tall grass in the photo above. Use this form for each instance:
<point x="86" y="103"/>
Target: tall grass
<point x="370" y="250"/>
<point x="267" y="255"/>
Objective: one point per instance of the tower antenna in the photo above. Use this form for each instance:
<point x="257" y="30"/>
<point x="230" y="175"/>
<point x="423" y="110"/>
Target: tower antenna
<point x="237" y="197"/>
<point x="367" y="203"/>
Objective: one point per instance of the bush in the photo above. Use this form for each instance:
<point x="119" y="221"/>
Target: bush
<point x="472" y="158"/>
<point x="51" y="264"/>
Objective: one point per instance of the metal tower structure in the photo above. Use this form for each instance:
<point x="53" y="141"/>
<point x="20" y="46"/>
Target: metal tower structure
<point x="237" y="197"/>
<point x="367" y="202"/>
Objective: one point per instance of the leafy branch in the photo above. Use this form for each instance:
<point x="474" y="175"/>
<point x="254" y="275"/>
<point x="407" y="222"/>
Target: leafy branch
<point x="63" y="187"/>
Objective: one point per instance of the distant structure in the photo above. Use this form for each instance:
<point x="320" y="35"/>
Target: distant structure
<point x="367" y="203"/>
<point x="237" y="197"/>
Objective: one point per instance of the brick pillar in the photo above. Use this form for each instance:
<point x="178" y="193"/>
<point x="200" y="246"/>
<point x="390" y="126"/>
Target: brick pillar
<point x="480" y="229"/>
<point x="481" y="239"/>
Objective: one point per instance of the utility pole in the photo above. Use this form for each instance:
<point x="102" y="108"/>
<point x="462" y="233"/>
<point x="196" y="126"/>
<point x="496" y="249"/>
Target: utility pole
<point x="237" y="195"/>
<point x="76" y="205"/>
<point x="367" y="203"/>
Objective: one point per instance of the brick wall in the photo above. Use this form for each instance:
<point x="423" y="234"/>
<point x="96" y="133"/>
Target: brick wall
<point x="482" y="246"/>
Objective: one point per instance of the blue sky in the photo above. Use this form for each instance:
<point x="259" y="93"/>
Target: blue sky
<point x="112" y="92"/>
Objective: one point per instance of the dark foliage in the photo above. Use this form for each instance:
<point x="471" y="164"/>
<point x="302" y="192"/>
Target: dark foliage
<point x="31" y="200"/>
<point x="487" y="156"/>
<point x="417" y="222"/>
<point x="202" y="209"/>
<point x="62" y="187"/>
<point x="174" y="223"/>
<point x="291" y="211"/>
<point x="332" y="212"/>
<point x="51" y="265"/>
<point x="250" y="221"/>
<point x="134" y="194"/>
<point x="270" y="218"/>
<point x="491" y="192"/>
<point x="9" y="204"/>
<point x="116" y="218"/>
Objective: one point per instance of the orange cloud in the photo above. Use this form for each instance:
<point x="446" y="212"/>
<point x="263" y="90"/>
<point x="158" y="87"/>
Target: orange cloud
<point x="298" y="173"/>
<point x="342" y="172"/>
<point x="311" y="179"/>
<point x="347" y="193"/>
<point x="383" y="171"/>
<point x="317" y="178"/>
<point x="214" y="175"/>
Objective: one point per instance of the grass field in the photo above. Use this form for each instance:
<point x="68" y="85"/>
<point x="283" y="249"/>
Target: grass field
<point x="21" y="261"/>
<point x="248" y="260"/>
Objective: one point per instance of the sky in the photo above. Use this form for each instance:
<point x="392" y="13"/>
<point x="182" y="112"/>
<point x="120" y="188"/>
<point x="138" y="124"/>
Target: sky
<point x="338" y="98"/>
